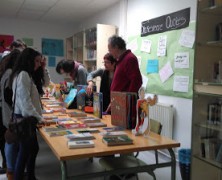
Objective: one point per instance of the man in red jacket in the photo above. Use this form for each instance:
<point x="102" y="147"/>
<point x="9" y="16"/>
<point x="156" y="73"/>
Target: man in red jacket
<point x="127" y="77"/>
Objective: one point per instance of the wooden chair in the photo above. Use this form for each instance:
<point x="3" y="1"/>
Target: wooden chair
<point x="124" y="162"/>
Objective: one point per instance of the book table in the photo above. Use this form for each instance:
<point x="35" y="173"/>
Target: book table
<point x="154" y="142"/>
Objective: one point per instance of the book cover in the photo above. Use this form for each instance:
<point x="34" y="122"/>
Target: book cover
<point x="98" y="104"/>
<point x="123" y="108"/>
<point x="90" y="130"/>
<point x="70" y="97"/>
<point x="76" y="114"/>
<point x="82" y="98"/>
<point x="52" y="129"/>
<point x="58" y="133"/>
<point x="113" y="133"/>
<point x="66" y="122"/>
<point x="89" y="120"/>
<point x="80" y="136"/>
<point x="114" y="128"/>
<point x="98" y="124"/>
<point x="80" y="144"/>
<point x="117" y="140"/>
<point x="74" y="126"/>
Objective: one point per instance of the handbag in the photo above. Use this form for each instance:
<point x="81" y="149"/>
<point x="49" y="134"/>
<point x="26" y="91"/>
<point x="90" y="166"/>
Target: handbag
<point x="20" y="128"/>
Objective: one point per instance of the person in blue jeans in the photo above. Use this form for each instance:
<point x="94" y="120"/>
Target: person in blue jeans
<point x="26" y="103"/>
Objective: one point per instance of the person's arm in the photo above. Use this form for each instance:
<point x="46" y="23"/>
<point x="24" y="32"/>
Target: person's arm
<point x="23" y="100"/>
<point x="82" y="75"/>
<point x="134" y="75"/>
<point x="90" y="77"/>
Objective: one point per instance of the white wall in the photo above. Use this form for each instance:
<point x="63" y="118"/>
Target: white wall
<point x="31" y="29"/>
<point x="142" y="10"/>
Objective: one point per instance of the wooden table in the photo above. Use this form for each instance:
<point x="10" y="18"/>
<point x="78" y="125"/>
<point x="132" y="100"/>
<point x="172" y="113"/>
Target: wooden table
<point x="153" y="142"/>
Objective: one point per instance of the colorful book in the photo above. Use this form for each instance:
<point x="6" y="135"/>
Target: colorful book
<point x="98" y="124"/>
<point x="80" y="136"/>
<point x="70" y="97"/>
<point x="80" y="144"/>
<point x="77" y="114"/>
<point x="113" y="133"/>
<point x="74" y="126"/>
<point x="67" y="122"/>
<point x="117" y="140"/>
<point x="52" y="129"/>
<point x="123" y="108"/>
<point x="58" y="133"/>
<point x="90" y="130"/>
<point x="83" y="99"/>
<point x="98" y="104"/>
<point x="114" y="128"/>
<point x="89" y="120"/>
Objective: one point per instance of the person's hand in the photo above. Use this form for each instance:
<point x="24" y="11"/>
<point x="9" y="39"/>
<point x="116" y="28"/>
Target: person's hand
<point x="89" y="88"/>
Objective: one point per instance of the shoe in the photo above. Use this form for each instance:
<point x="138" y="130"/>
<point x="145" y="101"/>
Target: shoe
<point x="2" y="170"/>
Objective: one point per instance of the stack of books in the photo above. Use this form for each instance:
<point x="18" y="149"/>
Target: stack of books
<point x="76" y="114"/>
<point x="58" y="133"/>
<point x="80" y="136"/>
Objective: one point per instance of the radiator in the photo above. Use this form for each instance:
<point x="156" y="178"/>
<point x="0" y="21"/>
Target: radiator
<point x="164" y="114"/>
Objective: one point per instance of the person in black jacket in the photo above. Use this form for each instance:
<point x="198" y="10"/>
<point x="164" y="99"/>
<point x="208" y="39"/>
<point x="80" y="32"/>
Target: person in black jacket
<point x="106" y="75"/>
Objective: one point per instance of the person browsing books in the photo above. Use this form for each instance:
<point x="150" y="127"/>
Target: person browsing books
<point x="106" y="75"/>
<point x="127" y="77"/>
<point x="75" y="70"/>
<point x="26" y="103"/>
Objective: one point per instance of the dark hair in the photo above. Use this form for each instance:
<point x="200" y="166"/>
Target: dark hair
<point x="8" y="61"/>
<point x="65" y="64"/>
<point x="17" y="44"/>
<point x="110" y="58"/>
<point x="25" y="62"/>
<point x="117" y="41"/>
<point x="38" y="78"/>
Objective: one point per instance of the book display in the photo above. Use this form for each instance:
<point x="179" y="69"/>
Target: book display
<point x="206" y="161"/>
<point x="123" y="108"/>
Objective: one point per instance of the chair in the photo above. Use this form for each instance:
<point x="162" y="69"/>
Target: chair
<point x="124" y="162"/>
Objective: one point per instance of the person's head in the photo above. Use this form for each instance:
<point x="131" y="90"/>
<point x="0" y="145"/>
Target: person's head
<point x="116" y="45"/>
<point x="29" y="61"/>
<point x="9" y="61"/>
<point x="18" y="44"/>
<point x="109" y="62"/>
<point x="65" y="66"/>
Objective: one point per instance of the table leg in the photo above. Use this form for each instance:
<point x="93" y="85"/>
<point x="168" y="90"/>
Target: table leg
<point x="64" y="169"/>
<point x="173" y="164"/>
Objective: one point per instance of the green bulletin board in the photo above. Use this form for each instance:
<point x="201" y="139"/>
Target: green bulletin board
<point x="155" y="85"/>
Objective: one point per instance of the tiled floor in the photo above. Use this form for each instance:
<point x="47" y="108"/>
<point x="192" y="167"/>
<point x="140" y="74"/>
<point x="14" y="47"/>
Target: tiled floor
<point x="48" y="167"/>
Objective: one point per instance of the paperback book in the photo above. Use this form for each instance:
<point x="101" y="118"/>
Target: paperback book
<point x="89" y="120"/>
<point x="90" y="130"/>
<point x="74" y="126"/>
<point x="80" y="144"/>
<point x="97" y="124"/>
<point x="58" y="133"/>
<point x="77" y="114"/>
<point x="114" y="128"/>
<point x="117" y="140"/>
<point x="53" y="129"/>
<point x="80" y="136"/>
<point x="113" y="133"/>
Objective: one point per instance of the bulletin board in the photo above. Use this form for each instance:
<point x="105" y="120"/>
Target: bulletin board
<point x="177" y="63"/>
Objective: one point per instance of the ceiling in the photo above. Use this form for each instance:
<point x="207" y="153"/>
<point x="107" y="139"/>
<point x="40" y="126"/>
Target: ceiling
<point x="54" y="11"/>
